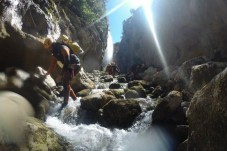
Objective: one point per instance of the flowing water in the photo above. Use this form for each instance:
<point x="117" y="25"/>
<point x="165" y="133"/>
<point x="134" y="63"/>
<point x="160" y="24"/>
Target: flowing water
<point x="141" y="136"/>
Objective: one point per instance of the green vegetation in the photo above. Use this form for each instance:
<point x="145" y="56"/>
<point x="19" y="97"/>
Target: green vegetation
<point x="88" y="10"/>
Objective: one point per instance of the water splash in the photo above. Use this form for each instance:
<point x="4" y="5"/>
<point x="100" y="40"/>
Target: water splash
<point x="16" y="8"/>
<point x="94" y="137"/>
<point x="11" y="14"/>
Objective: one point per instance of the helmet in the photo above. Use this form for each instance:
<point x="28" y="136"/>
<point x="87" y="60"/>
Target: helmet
<point x="65" y="38"/>
<point x="47" y="43"/>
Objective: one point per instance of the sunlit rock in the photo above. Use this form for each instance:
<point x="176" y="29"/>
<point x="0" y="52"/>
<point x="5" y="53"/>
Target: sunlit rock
<point x="82" y="81"/>
<point x="49" y="81"/>
<point x="33" y="88"/>
<point x="183" y="74"/>
<point x="95" y="101"/>
<point x="83" y="93"/>
<point x="118" y="92"/>
<point x="24" y="22"/>
<point x="14" y="109"/>
<point x="40" y="137"/>
<point x="184" y="29"/>
<point x="202" y="74"/>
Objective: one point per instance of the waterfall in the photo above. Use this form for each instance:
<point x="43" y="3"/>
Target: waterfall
<point x="13" y="13"/>
<point x="108" y="55"/>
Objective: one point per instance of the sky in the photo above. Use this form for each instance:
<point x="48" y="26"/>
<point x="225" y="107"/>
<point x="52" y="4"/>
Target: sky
<point x="120" y="14"/>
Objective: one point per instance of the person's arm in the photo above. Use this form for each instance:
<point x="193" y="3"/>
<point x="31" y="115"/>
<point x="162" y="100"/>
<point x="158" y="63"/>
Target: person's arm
<point x="52" y="66"/>
<point x="66" y="55"/>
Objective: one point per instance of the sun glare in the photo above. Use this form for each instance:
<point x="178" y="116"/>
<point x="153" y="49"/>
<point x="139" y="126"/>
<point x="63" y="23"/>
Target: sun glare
<point x="137" y="3"/>
<point x="146" y="4"/>
<point x="148" y="12"/>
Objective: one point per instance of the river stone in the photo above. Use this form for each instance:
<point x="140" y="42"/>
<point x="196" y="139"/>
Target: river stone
<point x="166" y="107"/>
<point x="82" y="81"/>
<point x="120" y="113"/>
<point x="95" y="101"/>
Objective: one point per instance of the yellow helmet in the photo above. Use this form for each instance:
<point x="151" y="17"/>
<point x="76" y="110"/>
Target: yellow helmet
<point x="47" y="43"/>
<point x="65" y="38"/>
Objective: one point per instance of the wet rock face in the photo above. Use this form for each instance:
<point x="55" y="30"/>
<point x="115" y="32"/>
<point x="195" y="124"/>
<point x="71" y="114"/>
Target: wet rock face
<point x="206" y="116"/>
<point x="24" y="22"/>
<point x="184" y="28"/>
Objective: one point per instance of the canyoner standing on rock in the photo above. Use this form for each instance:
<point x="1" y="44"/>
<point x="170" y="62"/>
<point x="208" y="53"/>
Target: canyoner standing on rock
<point x="71" y="65"/>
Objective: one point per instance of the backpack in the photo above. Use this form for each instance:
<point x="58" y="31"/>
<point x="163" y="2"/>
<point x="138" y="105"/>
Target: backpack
<point x="73" y="45"/>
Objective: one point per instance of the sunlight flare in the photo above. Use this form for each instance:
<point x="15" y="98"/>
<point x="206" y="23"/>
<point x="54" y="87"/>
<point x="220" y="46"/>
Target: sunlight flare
<point x="111" y="11"/>
<point x="150" y="20"/>
<point x="137" y="3"/>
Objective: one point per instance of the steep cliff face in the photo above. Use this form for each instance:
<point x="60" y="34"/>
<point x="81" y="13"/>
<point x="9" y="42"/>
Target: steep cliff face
<point x="184" y="28"/>
<point x="33" y="20"/>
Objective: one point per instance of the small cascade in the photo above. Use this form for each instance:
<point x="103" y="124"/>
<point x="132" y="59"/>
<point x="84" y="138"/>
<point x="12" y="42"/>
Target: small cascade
<point x="15" y="10"/>
<point x="11" y="14"/>
<point x="94" y="137"/>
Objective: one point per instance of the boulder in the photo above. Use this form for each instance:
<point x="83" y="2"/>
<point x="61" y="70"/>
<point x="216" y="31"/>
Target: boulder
<point x="95" y="101"/>
<point x="115" y="86"/>
<point x="148" y="74"/>
<point x="184" y="71"/>
<point x="166" y="107"/>
<point x="120" y="113"/>
<point x="202" y="74"/>
<point x="121" y="80"/>
<point x="40" y="137"/>
<point x="131" y="94"/>
<point x="83" y="93"/>
<point x="31" y="86"/>
<point x="118" y="93"/>
<point x="206" y="116"/>
<point x="140" y="90"/>
<point x="82" y="81"/>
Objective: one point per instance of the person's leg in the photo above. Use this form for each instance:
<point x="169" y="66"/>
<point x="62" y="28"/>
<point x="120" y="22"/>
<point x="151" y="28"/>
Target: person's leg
<point x="72" y="93"/>
<point x="66" y="96"/>
<point x="66" y="91"/>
